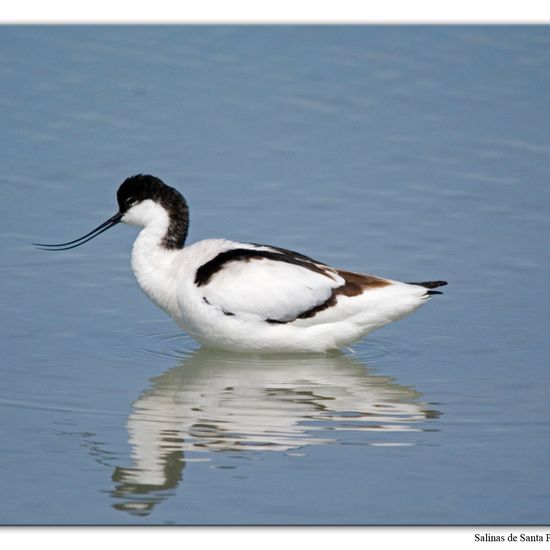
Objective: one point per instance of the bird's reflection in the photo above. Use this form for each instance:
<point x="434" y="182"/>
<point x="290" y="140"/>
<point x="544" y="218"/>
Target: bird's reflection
<point x="216" y="401"/>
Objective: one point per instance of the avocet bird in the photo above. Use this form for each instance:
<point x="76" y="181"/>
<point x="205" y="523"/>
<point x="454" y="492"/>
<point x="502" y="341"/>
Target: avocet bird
<point x="245" y="296"/>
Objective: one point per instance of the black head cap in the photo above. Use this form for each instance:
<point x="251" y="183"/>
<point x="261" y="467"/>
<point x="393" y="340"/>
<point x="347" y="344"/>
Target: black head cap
<point x="142" y="187"/>
<point x="139" y="188"/>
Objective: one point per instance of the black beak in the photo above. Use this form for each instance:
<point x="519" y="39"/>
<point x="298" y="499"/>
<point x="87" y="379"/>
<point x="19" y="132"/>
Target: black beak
<point x="84" y="239"/>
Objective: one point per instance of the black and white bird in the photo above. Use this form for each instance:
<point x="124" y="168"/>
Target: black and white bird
<point x="246" y="296"/>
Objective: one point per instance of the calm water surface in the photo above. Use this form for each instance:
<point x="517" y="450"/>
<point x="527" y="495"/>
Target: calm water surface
<point x="411" y="153"/>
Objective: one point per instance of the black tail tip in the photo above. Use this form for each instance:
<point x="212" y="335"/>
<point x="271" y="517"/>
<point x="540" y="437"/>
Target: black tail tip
<point x="430" y="284"/>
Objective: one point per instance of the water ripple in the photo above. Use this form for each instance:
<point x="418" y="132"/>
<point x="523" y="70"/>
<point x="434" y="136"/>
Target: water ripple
<point x="144" y="344"/>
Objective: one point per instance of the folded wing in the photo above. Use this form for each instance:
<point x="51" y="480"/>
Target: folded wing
<point x="266" y="283"/>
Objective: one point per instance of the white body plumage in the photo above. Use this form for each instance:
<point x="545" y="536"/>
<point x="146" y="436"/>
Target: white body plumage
<point x="230" y="311"/>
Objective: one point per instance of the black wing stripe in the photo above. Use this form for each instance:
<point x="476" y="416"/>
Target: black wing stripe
<point x="288" y="252"/>
<point x="206" y="271"/>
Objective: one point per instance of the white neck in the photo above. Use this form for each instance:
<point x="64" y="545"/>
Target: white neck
<point x="151" y="262"/>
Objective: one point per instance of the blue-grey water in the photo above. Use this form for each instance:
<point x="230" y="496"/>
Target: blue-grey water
<point x="412" y="153"/>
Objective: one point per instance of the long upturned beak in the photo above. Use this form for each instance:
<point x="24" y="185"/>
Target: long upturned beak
<point x="85" y="238"/>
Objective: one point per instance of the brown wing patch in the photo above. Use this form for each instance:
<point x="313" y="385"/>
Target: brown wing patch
<point x="355" y="284"/>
